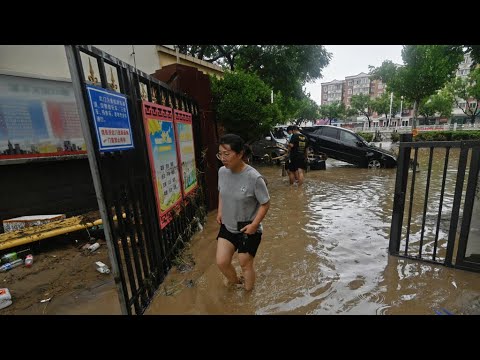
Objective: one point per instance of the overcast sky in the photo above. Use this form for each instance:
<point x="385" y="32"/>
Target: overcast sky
<point x="348" y="60"/>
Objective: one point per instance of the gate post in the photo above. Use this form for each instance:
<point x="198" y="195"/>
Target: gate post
<point x="79" y="97"/>
<point x="399" y="197"/>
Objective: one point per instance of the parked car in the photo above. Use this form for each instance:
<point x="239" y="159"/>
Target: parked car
<point x="345" y="145"/>
<point x="271" y="145"/>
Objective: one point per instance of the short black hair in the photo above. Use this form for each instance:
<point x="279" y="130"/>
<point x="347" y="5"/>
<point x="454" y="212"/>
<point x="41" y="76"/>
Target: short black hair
<point x="289" y="128"/>
<point x="294" y="127"/>
<point x="236" y="142"/>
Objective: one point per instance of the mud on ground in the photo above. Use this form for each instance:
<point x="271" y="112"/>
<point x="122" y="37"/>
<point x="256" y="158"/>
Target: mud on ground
<point x="61" y="272"/>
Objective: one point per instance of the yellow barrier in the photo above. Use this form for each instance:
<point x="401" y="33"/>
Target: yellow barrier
<point x="37" y="233"/>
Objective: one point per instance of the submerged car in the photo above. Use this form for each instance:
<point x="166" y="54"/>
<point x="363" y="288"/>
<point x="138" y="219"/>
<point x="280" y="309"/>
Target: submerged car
<point x="345" y="145"/>
<point x="271" y="145"/>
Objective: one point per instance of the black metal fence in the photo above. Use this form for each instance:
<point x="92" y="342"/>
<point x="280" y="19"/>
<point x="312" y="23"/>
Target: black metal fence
<point x="434" y="196"/>
<point x="141" y="252"/>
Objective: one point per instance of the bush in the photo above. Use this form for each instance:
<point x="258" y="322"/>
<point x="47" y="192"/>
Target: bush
<point x="447" y="135"/>
<point x="395" y="137"/>
<point x="367" y="136"/>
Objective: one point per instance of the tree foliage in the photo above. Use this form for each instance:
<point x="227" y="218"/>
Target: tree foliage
<point x="467" y="90"/>
<point x="382" y="105"/>
<point x="362" y="105"/>
<point x="307" y="110"/>
<point x="335" y="110"/>
<point x="285" y="68"/>
<point x="243" y="104"/>
<point x="426" y="69"/>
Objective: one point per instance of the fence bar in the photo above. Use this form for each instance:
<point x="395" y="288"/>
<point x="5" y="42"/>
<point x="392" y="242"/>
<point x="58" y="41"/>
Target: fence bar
<point x="442" y="192"/>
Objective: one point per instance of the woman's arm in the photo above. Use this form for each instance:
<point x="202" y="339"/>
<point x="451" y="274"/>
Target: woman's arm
<point x="219" y="211"/>
<point x="252" y="228"/>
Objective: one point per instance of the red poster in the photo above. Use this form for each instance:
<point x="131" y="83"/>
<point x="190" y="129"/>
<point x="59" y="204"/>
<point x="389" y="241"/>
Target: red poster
<point x="162" y="153"/>
<point x="186" y="151"/>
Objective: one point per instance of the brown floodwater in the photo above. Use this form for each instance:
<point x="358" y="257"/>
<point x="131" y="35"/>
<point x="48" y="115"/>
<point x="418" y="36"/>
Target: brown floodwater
<point x="325" y="251"/>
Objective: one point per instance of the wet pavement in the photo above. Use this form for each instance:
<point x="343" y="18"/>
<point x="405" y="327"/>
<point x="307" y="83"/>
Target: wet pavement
<point x="324" y="251"/>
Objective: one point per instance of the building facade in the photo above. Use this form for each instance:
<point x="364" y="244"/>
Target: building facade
<point x="363" y="84"/>
<point x="332" y="92"/>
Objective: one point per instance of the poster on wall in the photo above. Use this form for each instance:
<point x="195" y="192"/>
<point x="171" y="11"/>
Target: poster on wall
<point x="162" y="152"/>
<point x="186" y="148"/>
<point x="111" y="119"/>
<point x="38" y="118"/>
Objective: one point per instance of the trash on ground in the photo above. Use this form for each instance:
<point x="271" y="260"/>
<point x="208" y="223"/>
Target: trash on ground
<point x="29" y="260"/>
<point x="102" y="268"/>
<point x="11" y="265"/>
<point x="94" y="247"/>
<point x="5" y="298"/>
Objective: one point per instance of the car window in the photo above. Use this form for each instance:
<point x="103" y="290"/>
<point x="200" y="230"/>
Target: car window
<point x="347" y="137"/>
<point x="318" y="131"/>
<point x="330" y="132"/>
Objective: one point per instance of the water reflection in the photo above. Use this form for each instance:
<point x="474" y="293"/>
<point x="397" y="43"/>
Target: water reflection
<point x="325" y="251"/>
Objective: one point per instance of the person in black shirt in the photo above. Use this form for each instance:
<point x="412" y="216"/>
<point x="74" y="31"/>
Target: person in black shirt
<point x="298" y="156"/>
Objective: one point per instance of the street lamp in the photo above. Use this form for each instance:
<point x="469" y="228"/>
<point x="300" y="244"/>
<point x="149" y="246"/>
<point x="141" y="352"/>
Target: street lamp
<point x="401" y="104"/>
<point x="390" y="115"/>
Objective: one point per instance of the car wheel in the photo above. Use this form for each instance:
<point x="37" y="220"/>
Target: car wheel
<point x="267" y="158"/>
<point x="374" y="164"/>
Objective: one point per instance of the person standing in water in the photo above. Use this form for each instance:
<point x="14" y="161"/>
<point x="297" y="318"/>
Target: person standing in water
<point x="243" y="203"/>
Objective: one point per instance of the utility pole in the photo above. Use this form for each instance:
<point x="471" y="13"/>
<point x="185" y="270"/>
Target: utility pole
<point x="391" y="101"/>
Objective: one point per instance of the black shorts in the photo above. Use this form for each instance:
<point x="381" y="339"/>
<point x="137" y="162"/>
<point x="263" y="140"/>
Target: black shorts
<point x="296" y="163"/>
<point x="249" y="245"/>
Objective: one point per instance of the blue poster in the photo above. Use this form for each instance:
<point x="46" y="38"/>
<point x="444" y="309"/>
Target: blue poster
<point x="111" y="119"/>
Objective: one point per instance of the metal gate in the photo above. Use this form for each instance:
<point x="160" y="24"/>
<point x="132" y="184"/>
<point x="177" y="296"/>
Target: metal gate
<point x="141" y="252"/>
<point x="435" y="225"/>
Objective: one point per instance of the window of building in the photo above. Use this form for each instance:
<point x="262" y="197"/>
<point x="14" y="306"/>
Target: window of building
<point x="350" y="83"/>
<point x="349" y="92"/>
<point x="472" y="105"/>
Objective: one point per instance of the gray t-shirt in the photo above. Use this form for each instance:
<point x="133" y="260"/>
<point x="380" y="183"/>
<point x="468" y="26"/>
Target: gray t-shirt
<point x="242" y="194"/>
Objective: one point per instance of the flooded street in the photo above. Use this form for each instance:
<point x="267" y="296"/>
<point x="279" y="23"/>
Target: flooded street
<point x="324" y="251"/>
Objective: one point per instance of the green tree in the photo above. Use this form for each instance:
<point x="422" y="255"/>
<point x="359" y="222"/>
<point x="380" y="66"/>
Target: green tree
<point x="441" y="103"/>
<point x="467" y="90"/>
<point x="381" y="105"/>
<point x="426" y="69"/>
<point x="473" y="50"/>
<point x="243" y="104"/>
<point x="307" y="109"/>
<point x="285" y="68"/>
<point x="386" y="72"/>
<point x="362" y="105"/>
<point x="335" y="110"/>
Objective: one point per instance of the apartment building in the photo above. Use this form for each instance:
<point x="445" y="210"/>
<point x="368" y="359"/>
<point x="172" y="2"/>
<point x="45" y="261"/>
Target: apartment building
<point x="332" y="92"/>
<point x="356" y="85"/>
<point x="463" y="70"/>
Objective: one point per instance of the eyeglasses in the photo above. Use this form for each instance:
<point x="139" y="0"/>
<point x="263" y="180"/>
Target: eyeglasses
<point x="223" y="155"/>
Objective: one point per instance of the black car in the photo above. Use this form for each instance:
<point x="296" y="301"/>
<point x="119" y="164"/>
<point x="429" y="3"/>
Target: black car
<point x="345" y="145"/>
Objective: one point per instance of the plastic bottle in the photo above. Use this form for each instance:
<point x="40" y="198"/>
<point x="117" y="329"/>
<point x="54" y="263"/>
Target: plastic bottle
<point x="102" y="268"/>
<point x="12" y="256"/>
<point x="11" y="265"/>
<point x="29" y="260"/>
<point x="94" y="247"/>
